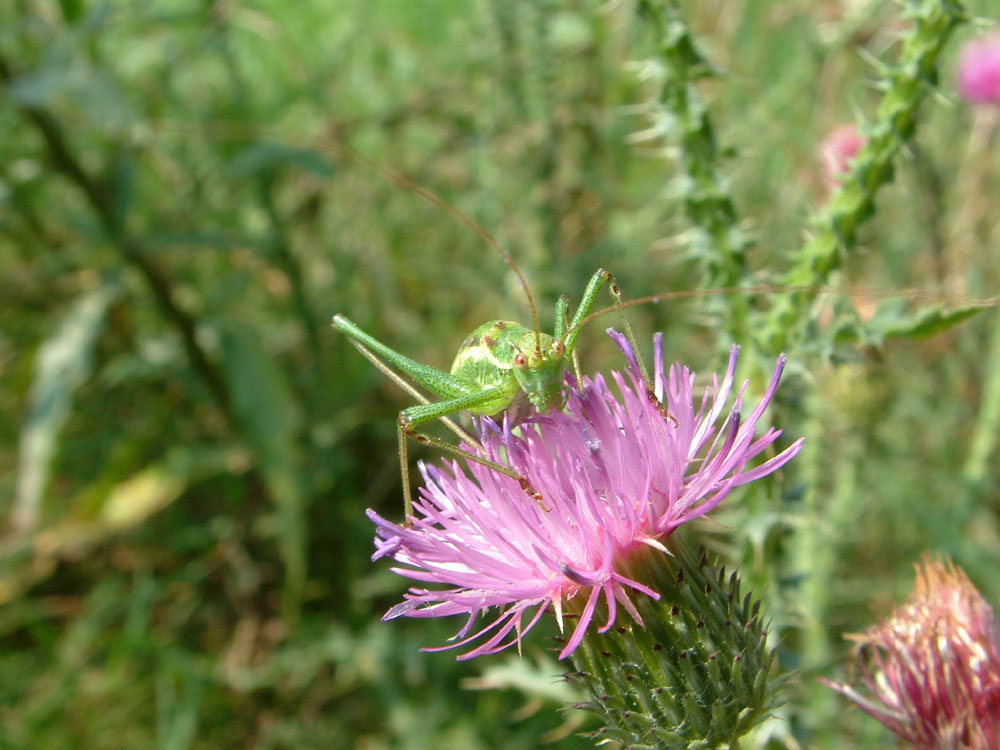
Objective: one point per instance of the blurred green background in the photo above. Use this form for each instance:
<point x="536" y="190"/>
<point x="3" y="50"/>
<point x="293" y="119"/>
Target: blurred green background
<point x="187" y="448"/>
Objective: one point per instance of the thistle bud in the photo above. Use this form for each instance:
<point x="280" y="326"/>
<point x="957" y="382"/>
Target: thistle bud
<point x="698" y="674"/>
<point x="931" y="672"/>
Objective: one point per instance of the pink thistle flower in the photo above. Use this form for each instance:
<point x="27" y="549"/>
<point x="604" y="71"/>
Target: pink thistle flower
<point x="616" y="476"/>
<point x="837" y="151"/>
<point x="979" y="70"/>
<point x="933" y="668"/>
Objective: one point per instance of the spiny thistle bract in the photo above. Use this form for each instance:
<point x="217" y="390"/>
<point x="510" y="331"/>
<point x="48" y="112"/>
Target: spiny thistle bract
<point x="697" y="676"/>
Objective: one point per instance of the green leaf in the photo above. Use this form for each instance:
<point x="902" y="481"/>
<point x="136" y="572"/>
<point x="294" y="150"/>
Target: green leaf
<point x="265" y="156"/>
<point x="269" y="419"/>
<point x="179" y="689"/>
<point x="64" y="362"/>
<point x="38" y="88"/>
<point x="71" y="9"/>
<point x="923" y="323"/>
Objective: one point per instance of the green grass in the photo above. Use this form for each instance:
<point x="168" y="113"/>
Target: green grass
<point x="194" y="570"/>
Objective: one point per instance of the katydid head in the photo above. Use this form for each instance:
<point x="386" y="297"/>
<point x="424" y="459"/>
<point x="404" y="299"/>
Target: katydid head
<point x="540" y="366"/>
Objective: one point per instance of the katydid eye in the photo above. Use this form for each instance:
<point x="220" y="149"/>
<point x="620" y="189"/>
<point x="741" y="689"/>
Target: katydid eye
<point x="520" y="361"/>
<point x="558" y="348"/>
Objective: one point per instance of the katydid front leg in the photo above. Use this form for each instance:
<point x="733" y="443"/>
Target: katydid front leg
<point x="597" y="281"/>
<point x="594" y="286"/>
<point x="562" y="325"/>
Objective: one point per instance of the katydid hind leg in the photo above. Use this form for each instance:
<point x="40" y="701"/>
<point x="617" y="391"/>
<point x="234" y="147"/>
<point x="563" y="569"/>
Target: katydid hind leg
<point x="616" y="295"/>
<point x="406" y="386"/>
<point x="439" y="382"/>
<point x="459" y="396"/>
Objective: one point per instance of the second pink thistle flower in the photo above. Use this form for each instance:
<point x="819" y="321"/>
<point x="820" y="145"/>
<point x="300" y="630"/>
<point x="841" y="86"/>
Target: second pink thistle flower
<point x="837" y="152"/>
<point x="979" y="70"/>
<point x="931" y="671"/>
<point x="617" y="475"/>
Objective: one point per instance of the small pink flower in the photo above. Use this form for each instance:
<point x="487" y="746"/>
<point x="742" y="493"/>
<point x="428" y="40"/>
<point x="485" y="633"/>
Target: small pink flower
<point x="837" y="151"/>
<point x="933" y="669"/>
<point x="616" y="476"/>
<point x="979" y="70"/>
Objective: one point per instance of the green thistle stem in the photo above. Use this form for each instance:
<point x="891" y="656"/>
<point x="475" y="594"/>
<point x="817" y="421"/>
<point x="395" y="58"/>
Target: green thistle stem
<point x="697" y="675"/>
<point x="984" y="437"/>
<point x="906" y="85"/>
<point x="680" y="115"/>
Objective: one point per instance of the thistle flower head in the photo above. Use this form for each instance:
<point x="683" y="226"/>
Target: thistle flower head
<point x="932" y="670"/>
<point x="617" y="473"/>
<point x="979" y="70"/>
<point x="837" y="151"/>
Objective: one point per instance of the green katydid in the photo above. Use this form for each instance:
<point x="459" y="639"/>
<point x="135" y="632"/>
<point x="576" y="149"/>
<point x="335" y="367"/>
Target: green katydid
<point x="501" y="366"/>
